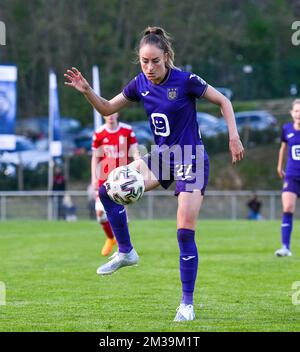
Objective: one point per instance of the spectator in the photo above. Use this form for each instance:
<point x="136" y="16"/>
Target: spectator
<point x="254" y="206"/>
<point x="59" y="184"/>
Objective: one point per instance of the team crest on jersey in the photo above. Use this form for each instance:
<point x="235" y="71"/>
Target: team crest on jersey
<point x="105" y="140"/>
<point x="172" y="93"/>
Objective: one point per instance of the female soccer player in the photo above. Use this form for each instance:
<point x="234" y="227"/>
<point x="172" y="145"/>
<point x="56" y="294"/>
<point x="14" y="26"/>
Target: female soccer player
<point x="290" y="143"/>
<point x="169" y="99"/>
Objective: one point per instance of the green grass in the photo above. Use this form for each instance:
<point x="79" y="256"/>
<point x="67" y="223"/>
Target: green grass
<point x="49" y="269"/>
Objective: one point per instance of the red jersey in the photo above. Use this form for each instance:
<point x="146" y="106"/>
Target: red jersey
<point x="112" y="147"/>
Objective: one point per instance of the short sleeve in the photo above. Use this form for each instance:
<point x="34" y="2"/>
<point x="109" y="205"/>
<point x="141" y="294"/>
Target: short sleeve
<point x="132" y="138"/>
<point x="95" y="142"/>
<point x="283" y="135"/>
<point x="196" y="86"/>
<point x="130" y="92"/>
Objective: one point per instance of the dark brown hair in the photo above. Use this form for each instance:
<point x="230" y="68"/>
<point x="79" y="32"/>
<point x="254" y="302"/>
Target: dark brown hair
<point x="160" y="38"/>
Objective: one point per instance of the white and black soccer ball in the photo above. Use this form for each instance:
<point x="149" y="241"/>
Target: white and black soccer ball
<point x="125" y="185"/>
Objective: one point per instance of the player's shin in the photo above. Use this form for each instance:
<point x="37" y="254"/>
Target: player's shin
<point x="188" y="263"/>
<point x="102" y="220"/>
<point x="107" y="229"/>
<point x="286" y="229"/>
<point x="118" y="220"/>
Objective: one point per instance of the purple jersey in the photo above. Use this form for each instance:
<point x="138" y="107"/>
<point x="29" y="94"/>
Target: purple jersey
<point x="170" y="106"/>
<point x="292" y="137"/>
<point x="171" y="109"/>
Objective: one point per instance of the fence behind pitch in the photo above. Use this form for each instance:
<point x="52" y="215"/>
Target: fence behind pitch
<point x="153" y="205"/>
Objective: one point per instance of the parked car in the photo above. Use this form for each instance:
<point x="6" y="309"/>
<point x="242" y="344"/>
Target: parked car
<point x="209" y="125"/>
<point x="145" y="125"/>
<point x="22" y="143"/>
<point x="256" y="120"/>
<point x="83" y="141"/>
<point x="256" y="127"/>
<point x="68" y="145"/>
<point x="37" y="127"/>
<point x="25" y="153"/>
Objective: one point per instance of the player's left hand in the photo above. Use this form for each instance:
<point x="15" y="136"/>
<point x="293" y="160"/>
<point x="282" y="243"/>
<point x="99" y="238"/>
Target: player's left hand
<point x="236" y="149"/>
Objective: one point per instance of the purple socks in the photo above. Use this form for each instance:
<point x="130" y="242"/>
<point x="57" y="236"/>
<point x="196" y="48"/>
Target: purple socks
<point x="186" y="239"/>
<point x="188" y="263"/>
<point x="286" y="229"/>
<point x="117" y="218"/>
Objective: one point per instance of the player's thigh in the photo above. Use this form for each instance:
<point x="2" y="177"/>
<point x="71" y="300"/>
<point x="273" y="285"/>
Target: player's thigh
<point x="189" y="205"/>
<point x="151" y="181"/>
<point x="289" y="200"/>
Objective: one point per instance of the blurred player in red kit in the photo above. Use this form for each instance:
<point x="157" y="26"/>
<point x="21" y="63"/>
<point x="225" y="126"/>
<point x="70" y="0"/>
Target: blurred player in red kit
<point x="114" y="143"/>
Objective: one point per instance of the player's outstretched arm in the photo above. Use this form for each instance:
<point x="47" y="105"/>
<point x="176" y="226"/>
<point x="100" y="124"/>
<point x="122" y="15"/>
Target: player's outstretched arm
<point x="235" y="144"/>
<point x="75" y="79"/>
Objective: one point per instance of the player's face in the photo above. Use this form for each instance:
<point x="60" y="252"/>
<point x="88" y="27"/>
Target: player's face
<point x="295" y="112"/>
<point x="153" y="62"/>
<point x="111" y="119"/>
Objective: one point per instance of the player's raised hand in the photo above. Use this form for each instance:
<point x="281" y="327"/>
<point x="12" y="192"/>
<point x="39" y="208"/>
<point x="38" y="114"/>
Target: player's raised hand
<point x="236" y="149"/>
<point x="76" y="80"/>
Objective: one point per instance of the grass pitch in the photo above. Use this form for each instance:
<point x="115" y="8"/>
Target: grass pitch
<point x="49" y="269"/>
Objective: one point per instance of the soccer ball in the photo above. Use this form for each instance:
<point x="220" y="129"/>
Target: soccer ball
<point x="125" y="185"/>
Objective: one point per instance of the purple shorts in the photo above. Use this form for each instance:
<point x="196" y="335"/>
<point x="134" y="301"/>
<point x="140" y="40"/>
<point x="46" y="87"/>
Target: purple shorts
<point x="291" y="184"/>
<point x="190" y="171"/>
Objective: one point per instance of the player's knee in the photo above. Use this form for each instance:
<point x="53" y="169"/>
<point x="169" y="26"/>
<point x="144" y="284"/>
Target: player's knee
<point x="289" y="208"/>
<point x="187" y="219"/>
<point x="101" y="217"/>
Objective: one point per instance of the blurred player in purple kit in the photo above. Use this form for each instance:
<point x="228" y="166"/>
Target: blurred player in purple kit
<point x="290" y="144"/>
<point x="169" y="98"/>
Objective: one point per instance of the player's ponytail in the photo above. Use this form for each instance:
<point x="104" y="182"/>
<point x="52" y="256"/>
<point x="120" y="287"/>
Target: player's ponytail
<point x="156" y="30"/>
<point x="159" y="37"/>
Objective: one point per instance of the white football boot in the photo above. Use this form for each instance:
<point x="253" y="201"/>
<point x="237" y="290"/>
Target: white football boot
<point x="118" y="260"/>
<point x="185" y="312"/>
<point x="283" y="252"/>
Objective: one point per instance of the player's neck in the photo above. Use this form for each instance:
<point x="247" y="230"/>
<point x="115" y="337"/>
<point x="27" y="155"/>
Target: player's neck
<point x="112" y="127"/>
<point x="297" y="126"/>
